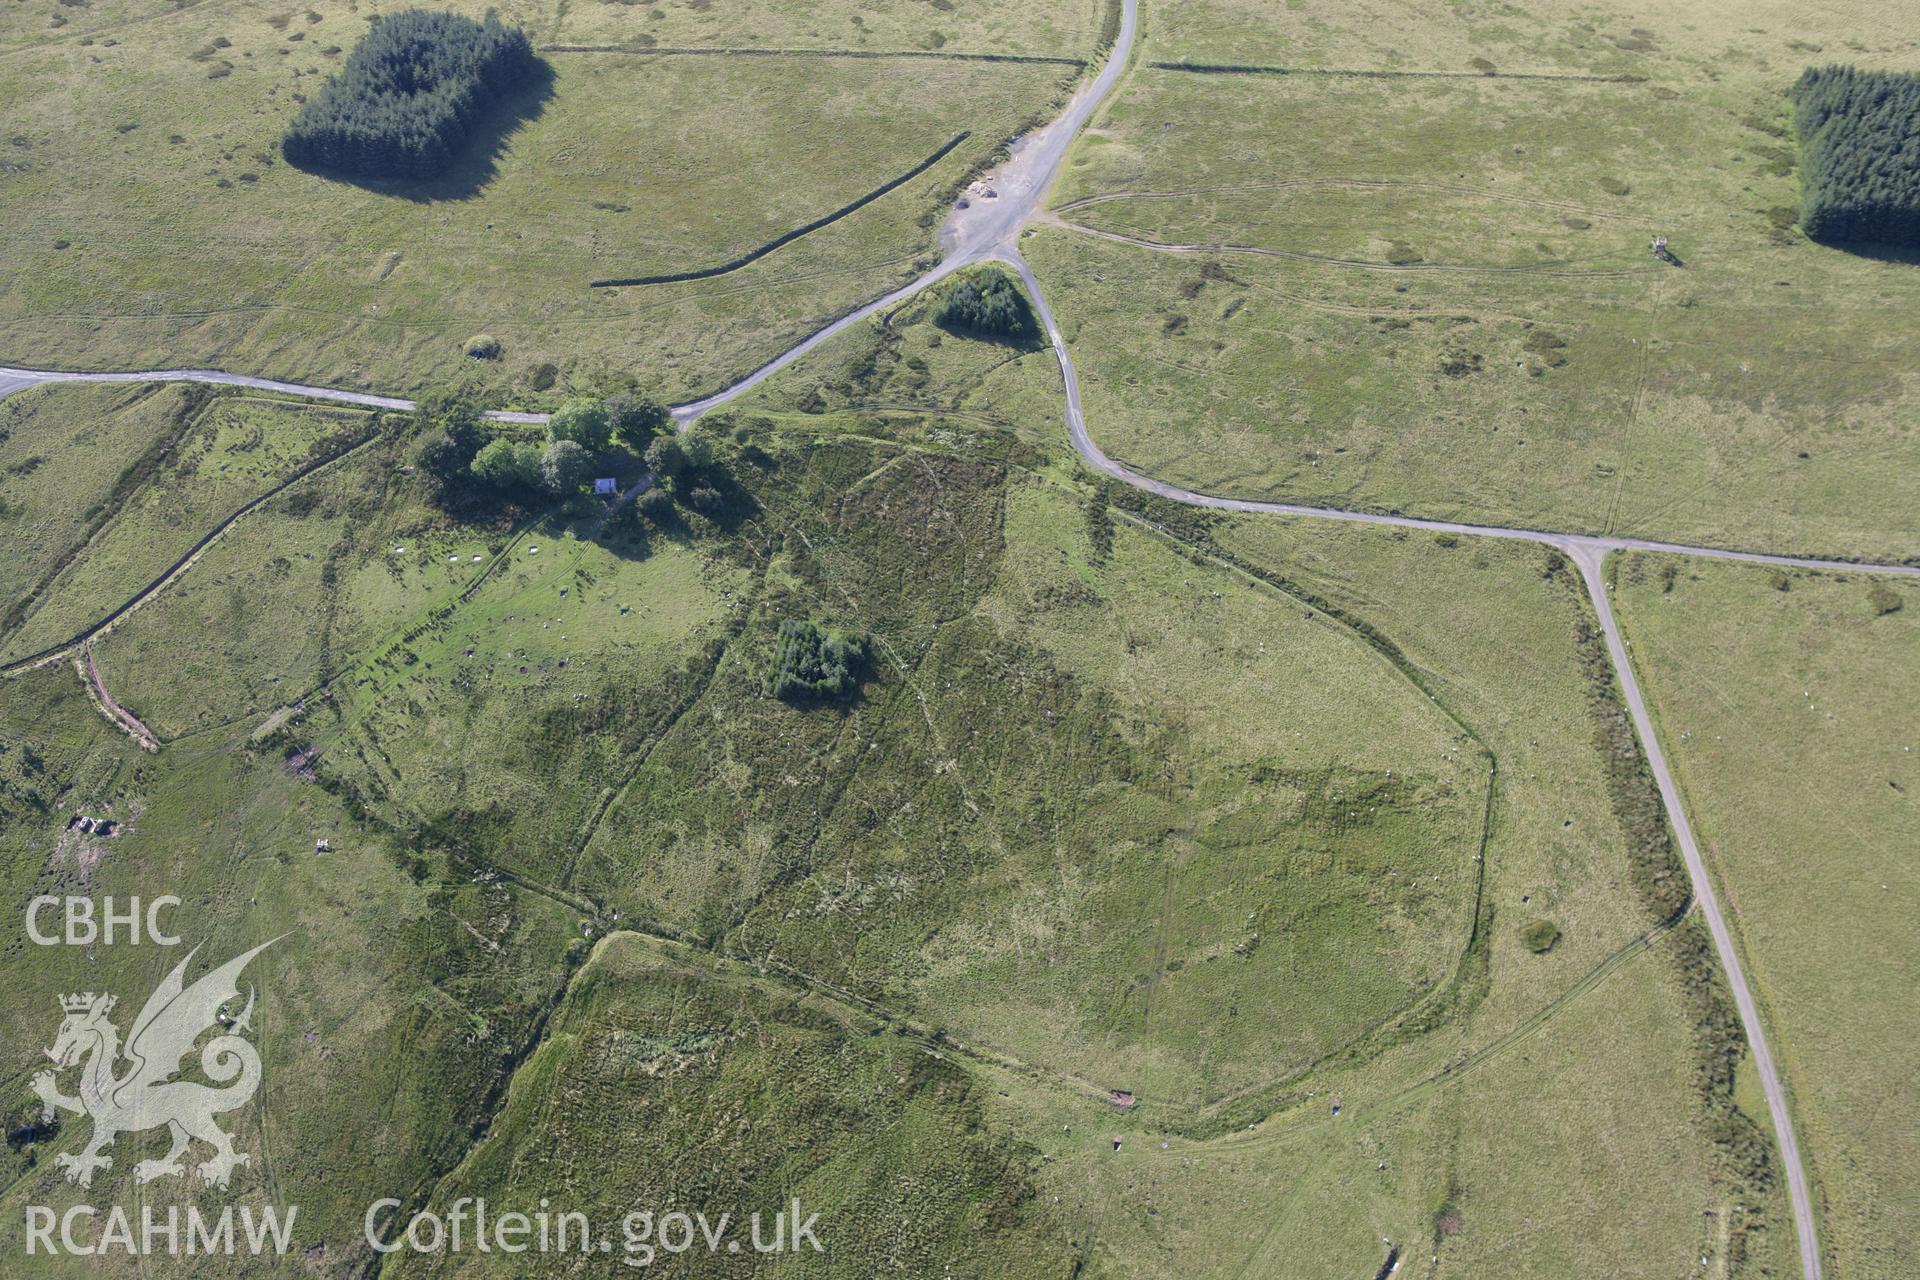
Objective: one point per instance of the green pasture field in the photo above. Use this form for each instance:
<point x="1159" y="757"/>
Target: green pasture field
<point x="1144" y="805"/>
<point x="65" y="453"/>
<point x="291" y="597"/>
<point x="229" y="451"/>
<point x="1438" y="297"/>
<point x="1057" y="28"/>
<point x="503" y="720"/>
<point x="1785" y="705"/>
<point x="1329" y="844"/>
<point x="156" y="225"/>
<point x="903" y="367"/>
<point x="1071" y="817"/>
<point x="1717" y="37"/>
<point x="1496" y="642"/>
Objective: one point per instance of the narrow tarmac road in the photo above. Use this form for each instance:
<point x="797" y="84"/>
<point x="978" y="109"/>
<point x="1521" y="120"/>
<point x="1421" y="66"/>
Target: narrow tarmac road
<point x="989" y="230"/>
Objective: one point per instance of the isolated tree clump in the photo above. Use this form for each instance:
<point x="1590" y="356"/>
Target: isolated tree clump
<point x="409" y="95"/>
<point x="988" y="304"/>
<point x="450" y="425"/>
<point x="1859" y="155"/>
<point x="814" y="662"/>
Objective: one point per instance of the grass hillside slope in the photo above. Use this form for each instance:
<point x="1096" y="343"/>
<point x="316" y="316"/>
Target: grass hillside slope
<point x="1784" y="701"/>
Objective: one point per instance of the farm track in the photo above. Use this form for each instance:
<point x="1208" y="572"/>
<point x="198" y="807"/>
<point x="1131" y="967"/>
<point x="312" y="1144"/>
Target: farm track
<point x="989" y="231"/>
<point x="125" y="719"/>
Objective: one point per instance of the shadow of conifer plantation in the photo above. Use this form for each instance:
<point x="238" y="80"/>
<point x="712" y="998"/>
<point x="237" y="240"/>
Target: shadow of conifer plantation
<point x="478" y="161"/>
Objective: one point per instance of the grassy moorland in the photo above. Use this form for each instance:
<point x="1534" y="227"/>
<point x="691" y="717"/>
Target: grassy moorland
<point x="1785" y="703"/>
<point x="1058" y="28"/>
<point x="1127" y="798"/>
<point x="1329" y="844"/>
<point x="156" y="223"/>
<point x="1504" y="648"/>
<point x="388" y="1013"/>
<point x="216" y="456"/>
<point x="735" y="1090"/>
<point x="1771" y="36"/>
<point x="66" y="455"/>
<point x="1445" y="302"/>
<point x="902" y="366"/>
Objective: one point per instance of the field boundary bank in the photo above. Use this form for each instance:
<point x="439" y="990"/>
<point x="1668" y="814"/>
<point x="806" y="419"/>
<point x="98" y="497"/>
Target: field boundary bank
<point x="20" y="666"/>
<point x="723" y="51"/>
<point x="1562" y="268"/>
<point x="1250" y="69"/>
<point x="780" y="242"/>
<point x="130" y="480"/>
<point x="1363" y="184"/>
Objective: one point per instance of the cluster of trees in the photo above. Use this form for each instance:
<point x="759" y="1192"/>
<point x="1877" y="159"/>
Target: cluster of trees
<point x="812" y="662"/>
<point x="987" y="303"/>
<point x="1860" y="155"/>
<point x="685" y="470"/>
<point x="409" y="95"/>
<point x="467" y="462"/>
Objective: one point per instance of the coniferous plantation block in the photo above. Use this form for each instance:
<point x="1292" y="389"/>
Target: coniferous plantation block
<point x="407" y="100"/>
<point x="1137" y="642"/>
<point x="1860" y="145"/>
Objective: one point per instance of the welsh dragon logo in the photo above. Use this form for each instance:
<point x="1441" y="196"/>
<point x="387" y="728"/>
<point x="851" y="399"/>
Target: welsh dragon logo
<point x="144" y="1096"/>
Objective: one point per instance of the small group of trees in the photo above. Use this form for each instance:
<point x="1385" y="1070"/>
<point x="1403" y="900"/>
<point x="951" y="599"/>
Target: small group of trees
<point x="465" y="461"/>
<point x="685" y="470"/>
<point x="815" y="663"/>
<point x="409" y="95"/>
<point x="987" y="303"/>
<point x="1860" y="155"/>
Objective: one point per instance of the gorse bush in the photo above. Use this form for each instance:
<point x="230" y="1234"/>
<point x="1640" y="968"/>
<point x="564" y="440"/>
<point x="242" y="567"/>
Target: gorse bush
<point x="989" y="304"/>
<point x="815" y="662"/>
<point x="1860" y="155"/>
<point x="409" y="95"/>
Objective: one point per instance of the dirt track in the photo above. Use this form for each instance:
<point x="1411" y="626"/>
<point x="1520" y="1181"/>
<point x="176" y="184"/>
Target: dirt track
<point x="989" y="230"/>
<point x="115" y="712"/>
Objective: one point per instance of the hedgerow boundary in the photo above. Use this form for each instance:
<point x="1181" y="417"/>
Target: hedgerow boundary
<point x="1659" y="880"/>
